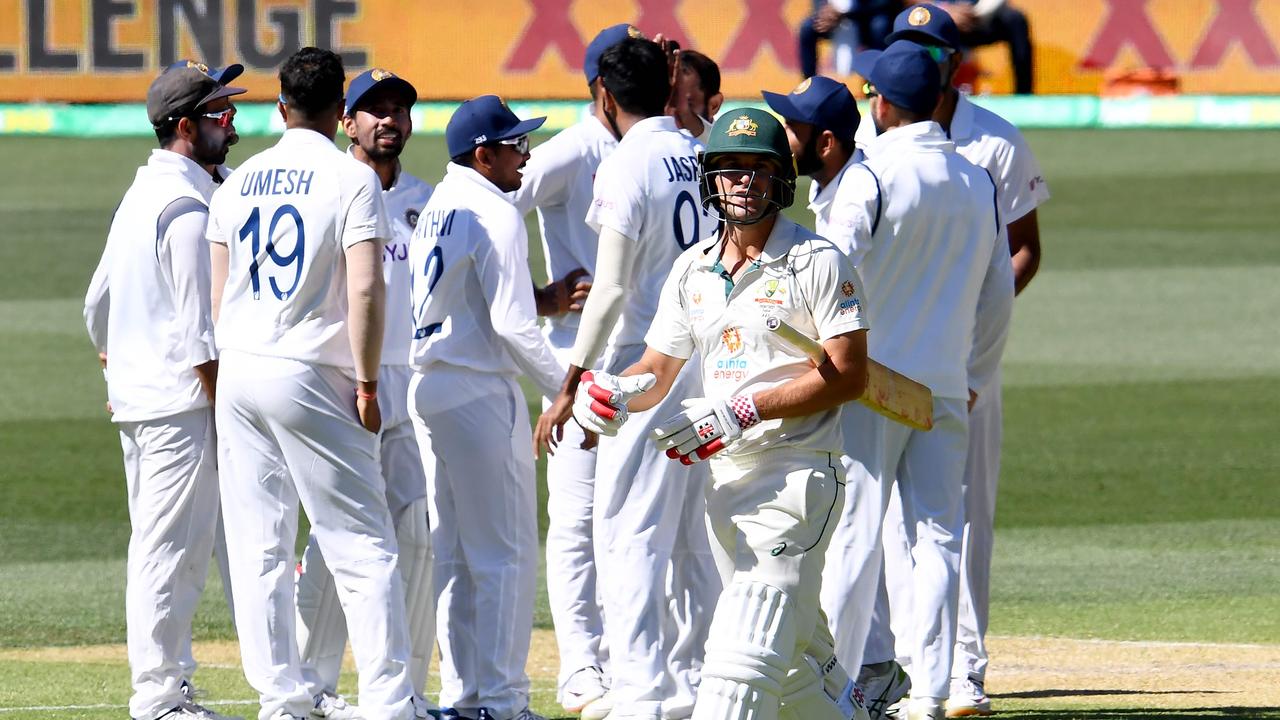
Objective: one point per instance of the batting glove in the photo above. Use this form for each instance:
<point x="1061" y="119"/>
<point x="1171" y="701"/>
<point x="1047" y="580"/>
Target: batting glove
<point x="705" y="427"/>
<point x="600" y="404"/>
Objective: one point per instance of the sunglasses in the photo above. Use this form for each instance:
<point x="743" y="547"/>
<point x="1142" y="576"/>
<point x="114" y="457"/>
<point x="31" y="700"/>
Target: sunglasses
<point x="938" y="53"/>
<point x="221" y="118"/>
<point x="520" y="144"/>
<point x="869" y="91"/>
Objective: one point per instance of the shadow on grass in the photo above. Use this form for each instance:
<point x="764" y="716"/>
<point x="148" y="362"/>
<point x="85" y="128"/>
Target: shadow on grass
<point x="1217" y="713"/>
<point x="1039" y="694"/>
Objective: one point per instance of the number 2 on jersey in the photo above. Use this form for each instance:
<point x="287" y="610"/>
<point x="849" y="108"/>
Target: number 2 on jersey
<point x="253" y="227"/>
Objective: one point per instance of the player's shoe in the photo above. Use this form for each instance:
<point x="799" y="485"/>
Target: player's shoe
<point x="582" y="688"/>
<point x="451" y="714"/>
<point x="926" y="709"/>
<point x="598" y="709"/>
<point x="188" y="710"/>
<point x="334" y="707"/>
<point x="525" y="714"/>
<point x="883" y="685"/>
<point x="968" y="698"/>
<point x="424" y="709"/>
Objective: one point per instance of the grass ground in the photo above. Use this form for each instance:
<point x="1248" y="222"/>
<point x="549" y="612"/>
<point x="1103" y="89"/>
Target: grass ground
<point x="1139" y="499"/>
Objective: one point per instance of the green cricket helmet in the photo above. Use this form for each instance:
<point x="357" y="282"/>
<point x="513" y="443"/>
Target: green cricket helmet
<point x="753" y="132"/>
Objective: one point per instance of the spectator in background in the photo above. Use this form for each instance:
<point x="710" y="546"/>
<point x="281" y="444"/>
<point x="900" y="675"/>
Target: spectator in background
<point x="986" y="22"/>
<point x="852" y="24"/>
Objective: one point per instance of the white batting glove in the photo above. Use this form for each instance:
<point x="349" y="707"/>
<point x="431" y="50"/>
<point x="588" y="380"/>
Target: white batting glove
<point x="705" y="427"/>
<point x="600" y="405"/>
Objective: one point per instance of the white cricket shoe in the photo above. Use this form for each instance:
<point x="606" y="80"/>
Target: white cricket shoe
<point x="334" y="707"/>
<point x="598" y="709"/>
<point x="968" y="698"/>
<point x="883" y="686"/>
<point x="188" y="710"/>
<point x="926" y="709"/>
<point x="582" y="688"/>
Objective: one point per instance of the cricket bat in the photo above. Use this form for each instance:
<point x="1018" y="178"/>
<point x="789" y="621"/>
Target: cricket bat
<point x="888" y="392"/>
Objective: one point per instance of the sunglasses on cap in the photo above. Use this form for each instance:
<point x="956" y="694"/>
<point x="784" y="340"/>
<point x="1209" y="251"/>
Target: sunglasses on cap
<point x="869" y="90"/>
<point x="937" y="52"/>
<point x="520" y="144"/>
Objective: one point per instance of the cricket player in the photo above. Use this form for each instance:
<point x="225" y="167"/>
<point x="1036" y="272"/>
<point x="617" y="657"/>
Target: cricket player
<point x="992" y="143"/>
<point x="769" y="422"/>
<point x="927" y="239"/>
<point x="377" y="122"/>
<point x="647" y="510"/>
<point x="822" y="119"/>
<point x="297" y="239"/>
<point x="219" y="172"/>
<point x="557" y="182"/>
<point x="147" y="311"/>
<point x="475" y="332"/>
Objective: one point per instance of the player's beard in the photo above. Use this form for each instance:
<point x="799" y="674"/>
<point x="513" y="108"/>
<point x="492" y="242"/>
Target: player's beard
<point x="377" y="151"/>
<point x="212" y="149"/>
<point x="807" y="160"/>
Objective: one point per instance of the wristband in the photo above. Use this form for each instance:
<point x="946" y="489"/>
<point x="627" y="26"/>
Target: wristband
<point x="366" y="396"/>
<point x="744" y="407"/>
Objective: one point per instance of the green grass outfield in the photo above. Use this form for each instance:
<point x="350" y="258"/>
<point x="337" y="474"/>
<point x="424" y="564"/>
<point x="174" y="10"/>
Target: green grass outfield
<point x="1140" y="498"/>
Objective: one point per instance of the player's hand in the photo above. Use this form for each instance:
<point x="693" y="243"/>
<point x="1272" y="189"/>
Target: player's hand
<point x="705" y="427"/>
<point x="368" y="411"/>
<point x="600" y="405"/>
<point x="102" y="359"/>
<point x="549" y="430"/>
<point x="973" y="399"/>
<point x="575" y="289"/>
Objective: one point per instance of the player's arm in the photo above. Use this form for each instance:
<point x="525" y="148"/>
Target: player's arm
<point x="364" y="231"/>
<point x="97" y="306"/>
<point x="854" y="210"/>
<point x="843" y="377"/>
<point x="504" y="277"/>
<point x="1024" y="247"/>
<point x="183" y="248"/>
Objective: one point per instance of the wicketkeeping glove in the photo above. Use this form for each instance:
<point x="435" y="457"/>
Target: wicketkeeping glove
<point x="600" y="405"/>
<point x="705" y="427"/>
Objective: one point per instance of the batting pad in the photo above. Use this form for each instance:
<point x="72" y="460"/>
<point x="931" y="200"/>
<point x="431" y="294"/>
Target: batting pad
<point x="750" y="647"/>
<point x="413" y="535"/>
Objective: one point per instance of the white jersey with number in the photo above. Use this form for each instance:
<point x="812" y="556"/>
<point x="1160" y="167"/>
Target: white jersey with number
<point x="801" y="279"/>
<point x="922" y="228"/>
<point x="473" y="304"/>
<point x="287" y="215"/>
<point x="647" y="190"/>
<point x="404" y="201"/>
<point x="558" y="183"/>
<point x="994" y="144"/>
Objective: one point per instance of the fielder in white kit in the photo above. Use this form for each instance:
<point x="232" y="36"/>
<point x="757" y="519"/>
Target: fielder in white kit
<point x="647" y="509"/>
<point x="377" y="122"/>
<point x="297" y="235"/>
<point x="475" y="333"/>
<point x="557" y="182"/>
<point x="147" y="312"/>
<point x="990" y="142"/>
<point x="938" y="245"/>
<point x="769" y="423"/>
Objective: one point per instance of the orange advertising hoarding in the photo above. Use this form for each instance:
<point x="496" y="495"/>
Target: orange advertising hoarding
<point x="109" y="50"/>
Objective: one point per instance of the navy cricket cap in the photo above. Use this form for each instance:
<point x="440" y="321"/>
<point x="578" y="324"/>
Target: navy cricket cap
<point x="222" y="75"/>
<point x="606" y="39"/>
<point x="905" y="74"/>
<point x="819" y="101"/>
<point x="482" y="120"/>
<point x="376" y="79"/>
<point x="926" y="24"/>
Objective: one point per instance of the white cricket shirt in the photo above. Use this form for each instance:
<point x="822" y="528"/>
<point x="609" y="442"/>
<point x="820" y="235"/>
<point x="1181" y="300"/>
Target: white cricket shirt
<point x="647" y="190"/>
<point x="924" y="264"/>
<point x="558" y="183"/>
<point x="802" y="279"/>
<point x="147" y="306"/>
<point x="287" y="216"/>
<point x="473" y="304"/>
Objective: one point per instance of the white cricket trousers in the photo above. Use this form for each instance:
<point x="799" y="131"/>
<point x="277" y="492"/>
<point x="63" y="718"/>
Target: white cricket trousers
<point x="173" y="508"/>
<point x="771" y="515"/>
<point x="289" y="434"/>
<point x="474" y="435"/>
<point x="657" y="577"/>
<point x="928" y="468"/>
<point x="322" y="630"/>
<point x="571" y="557"/>
<point x="981" y="479"/>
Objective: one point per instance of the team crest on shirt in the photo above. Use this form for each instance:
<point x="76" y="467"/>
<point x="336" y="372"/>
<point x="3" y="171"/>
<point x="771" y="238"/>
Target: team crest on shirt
<point x="696" y="297"/>
<point x="378" y="74"/>
<point x="411" y="217"/>
<point x="772" y="292"/>
<point x="732" y="339"/>
<point x="744" y="125"/>
<point x="919" y="16"/>
<point x="804" y="85"/>
<point x="847" y="289"/>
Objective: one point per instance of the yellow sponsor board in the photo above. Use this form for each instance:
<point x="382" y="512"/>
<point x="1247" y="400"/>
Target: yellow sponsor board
<point x="109" y="50"/>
